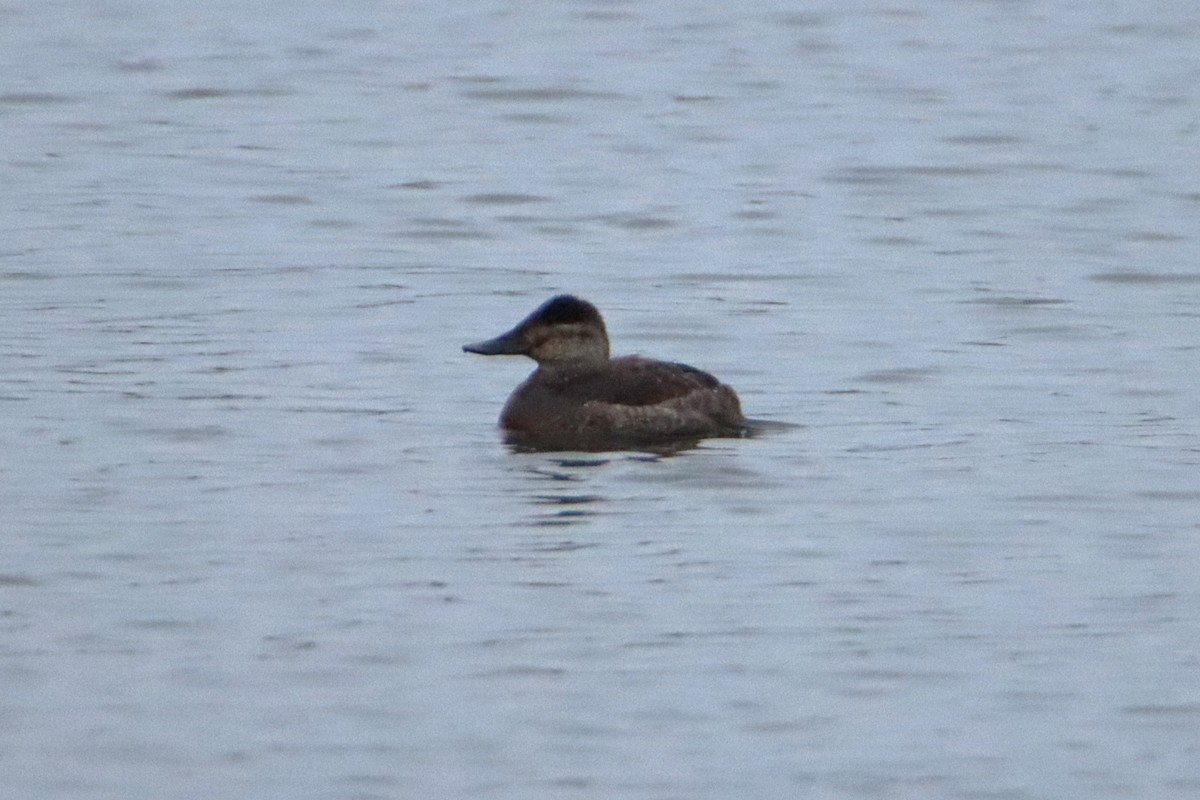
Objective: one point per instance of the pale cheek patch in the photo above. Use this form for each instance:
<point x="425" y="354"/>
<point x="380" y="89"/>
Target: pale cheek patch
<point x="563" y="342"/>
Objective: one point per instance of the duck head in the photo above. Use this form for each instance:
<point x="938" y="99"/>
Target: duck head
<point x="562" y="331"/>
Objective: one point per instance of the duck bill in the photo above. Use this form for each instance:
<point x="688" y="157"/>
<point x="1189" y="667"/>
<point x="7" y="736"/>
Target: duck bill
<point x="506" y="344"/>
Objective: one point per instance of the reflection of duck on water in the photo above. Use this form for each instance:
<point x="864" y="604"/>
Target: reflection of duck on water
<point x="580" y="399"/>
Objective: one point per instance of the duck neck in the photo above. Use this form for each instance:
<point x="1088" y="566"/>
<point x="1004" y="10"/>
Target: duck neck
<point x="578" y="363"/>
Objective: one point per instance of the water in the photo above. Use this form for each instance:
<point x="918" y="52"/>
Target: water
<point x="261" y="538"/>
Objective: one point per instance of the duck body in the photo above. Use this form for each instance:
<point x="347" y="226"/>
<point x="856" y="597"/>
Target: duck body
<point x="580" y="399"/>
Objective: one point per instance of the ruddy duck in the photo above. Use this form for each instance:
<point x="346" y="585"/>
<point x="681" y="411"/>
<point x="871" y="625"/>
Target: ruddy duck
<point x="580" y="399"/>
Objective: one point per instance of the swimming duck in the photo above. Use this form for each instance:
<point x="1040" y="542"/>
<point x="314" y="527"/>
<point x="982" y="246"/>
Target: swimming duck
<point x="580" y="399"/>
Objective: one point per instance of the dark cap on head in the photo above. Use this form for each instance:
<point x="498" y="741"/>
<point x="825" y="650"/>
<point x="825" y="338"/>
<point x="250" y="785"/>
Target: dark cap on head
<point x="564" y="310"/>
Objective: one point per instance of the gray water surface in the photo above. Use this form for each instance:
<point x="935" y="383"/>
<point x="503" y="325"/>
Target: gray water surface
<point x="260" y="536"/>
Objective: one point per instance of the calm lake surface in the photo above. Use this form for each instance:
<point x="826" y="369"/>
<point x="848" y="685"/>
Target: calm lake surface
<point x="261" y="538"/>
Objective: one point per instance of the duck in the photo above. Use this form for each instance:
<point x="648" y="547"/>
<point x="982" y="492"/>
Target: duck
<point x="579" y="398"/>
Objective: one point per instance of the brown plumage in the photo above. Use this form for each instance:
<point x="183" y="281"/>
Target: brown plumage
<point x="580" y="399"/>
